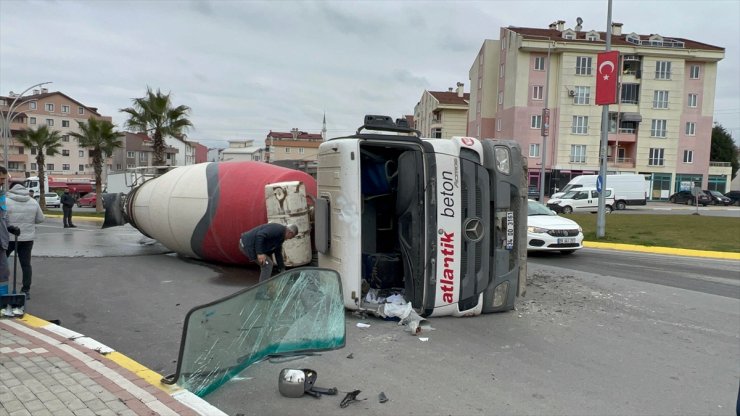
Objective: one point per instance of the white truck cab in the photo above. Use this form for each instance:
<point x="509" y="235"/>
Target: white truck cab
<point x="583" y="199"/>
<point x="441" y="220"/>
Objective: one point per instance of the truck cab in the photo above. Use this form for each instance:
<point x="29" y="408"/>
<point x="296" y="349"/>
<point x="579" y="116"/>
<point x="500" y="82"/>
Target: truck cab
<point x="437" y="221"/>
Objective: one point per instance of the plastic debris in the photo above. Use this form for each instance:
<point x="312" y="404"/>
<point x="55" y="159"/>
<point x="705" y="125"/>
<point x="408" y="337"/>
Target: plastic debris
<point x="423" y="339"/>
<point x="382" y="398"/>
<point x="350" y="356"/>
<point x="350" y="398"/>
<point x="362" y="325"/>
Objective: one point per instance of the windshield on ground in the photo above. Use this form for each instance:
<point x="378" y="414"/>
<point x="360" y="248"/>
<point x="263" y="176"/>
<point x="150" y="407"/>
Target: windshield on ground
<point x="535" y="208"/>
<point x="298" y="311"/>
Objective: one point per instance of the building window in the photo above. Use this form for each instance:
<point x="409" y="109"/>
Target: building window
<point x="569" y="35"/>
<point x="32" y="120"/>
<point x="693" y="100"/>
<point x="301" y="150"/>
<point x="130" y="155"/>
<point x="592" y="37"/>
<point x="662" y="70"/>
<point x="65" y="109"/>
<point x="437" y="133"/>
<point x="65" y="166"/>
<point x="500" y="97"/>
<point x="21" y="149"/>
<point x="118" y="166"/>
<point x="65" y="138"/>
<point x="501" y="69"/>
<point x="534" y="150"/>
<point x="688" y="156"/>
<point x="32" y="105"/>
<point x="49" y="166"/>
<point x="580" y="125"/>
<point x="33" y="166"/>
<point x="287" y="150"/>
<point x="81" y="153"/>
<point x="690" y="128"/>
<point x="49" y="107"/>
<point x="656" y="156"/>
<point x="537" y="91"/>
<point x="536" y="121"/>
<point x="660" y="99"/>
<point x="583" y="65"/>
<point x="142" y="156"/>
<point x="130" y="166"/>
<point x="582" y="95"/>
<point x="80" y="110"/>
<point x="658" y="128"/>
<point x="33" y="150"/>
<point x="65" y="152"/>
<point x="694" y="72"/>
<point x="81" y="168"/>
<point x="498" y="124"/>
<point x="50" y="122"/>
<point x="578" y="153"/>
<point x="65" y="123"/>
<point x="539" y="63"/>
<point x="630" y="93"/>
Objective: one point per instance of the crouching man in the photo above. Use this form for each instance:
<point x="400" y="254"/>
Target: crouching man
<point x="262" y="242"/>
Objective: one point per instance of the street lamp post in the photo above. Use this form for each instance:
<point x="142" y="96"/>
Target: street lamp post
<point x="545" y="126"/>
<point x="8" y="118"/>
<point x="604" y="143"/>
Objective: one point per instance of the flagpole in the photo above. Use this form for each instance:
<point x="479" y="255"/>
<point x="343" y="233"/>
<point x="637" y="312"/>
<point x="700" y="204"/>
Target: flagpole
<point x="600" y="218"/>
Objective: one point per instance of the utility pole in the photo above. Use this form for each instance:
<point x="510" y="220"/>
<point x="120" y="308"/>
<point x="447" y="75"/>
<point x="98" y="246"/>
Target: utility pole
<point x="601" y="219"/>
<point x="545" y="126"/>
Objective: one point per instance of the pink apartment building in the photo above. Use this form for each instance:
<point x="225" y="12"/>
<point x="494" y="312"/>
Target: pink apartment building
<point x="661" y="126"/>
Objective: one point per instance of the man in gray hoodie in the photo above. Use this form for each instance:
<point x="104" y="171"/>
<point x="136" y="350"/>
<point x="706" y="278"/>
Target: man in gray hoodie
<point x="23" y="212"/>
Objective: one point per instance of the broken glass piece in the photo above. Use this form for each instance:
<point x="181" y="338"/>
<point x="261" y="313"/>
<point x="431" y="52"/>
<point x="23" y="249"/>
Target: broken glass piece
<point x="298" y="311"/>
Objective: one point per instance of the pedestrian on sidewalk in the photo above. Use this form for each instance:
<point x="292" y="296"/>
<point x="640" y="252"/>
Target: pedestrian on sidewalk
<point x="262" y="242"/>
<point x="68" y="201"/>
<point x="23" y="212"/>
<point x="4" y="235"/>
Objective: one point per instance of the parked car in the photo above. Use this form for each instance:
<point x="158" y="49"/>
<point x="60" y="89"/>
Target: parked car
<point x="584" y="199"/>
<point x="89" y="200"/>
<point x="547" y="231"/>
<point x="52" y="200"/>
<point x="685" y="197"/>
<point x="717" y="198"/>
<point x="734" y="197"/>
<point x="533" y="192"/>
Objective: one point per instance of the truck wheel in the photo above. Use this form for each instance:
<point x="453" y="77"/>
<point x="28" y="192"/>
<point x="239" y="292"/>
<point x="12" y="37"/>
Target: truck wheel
<point x="621" y="205"/>
<point x="567" y="210"/>
<point x="689" y="202"/>
<point x="607" y="209"/>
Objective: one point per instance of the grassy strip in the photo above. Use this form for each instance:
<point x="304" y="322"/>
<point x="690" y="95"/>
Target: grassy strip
<point x="677" y="231"/>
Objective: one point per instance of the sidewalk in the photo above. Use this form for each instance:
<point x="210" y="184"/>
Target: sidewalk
<point x="49" y="370"/>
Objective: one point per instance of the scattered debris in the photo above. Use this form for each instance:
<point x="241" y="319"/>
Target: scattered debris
<point x="382" y="398"/>
<point x="423" y="339"/>
<point x="350" y="398"/>
<point x="362" y="325"/>
<point x="350" y="356"/>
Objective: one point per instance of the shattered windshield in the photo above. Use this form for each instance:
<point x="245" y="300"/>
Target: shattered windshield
<point x="300" y="310"/>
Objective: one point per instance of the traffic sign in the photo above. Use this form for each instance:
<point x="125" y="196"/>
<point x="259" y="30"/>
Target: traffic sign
<point x="599" y="184"/>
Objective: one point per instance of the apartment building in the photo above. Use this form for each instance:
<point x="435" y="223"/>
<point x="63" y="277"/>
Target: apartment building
<point x="59" y="112"/>
<point x="242" y="150"/>
<point x="442" y="114"/>
<point x="293" y="145"/>
<point x="136" y="151"/>
<point x="661" y="126"/>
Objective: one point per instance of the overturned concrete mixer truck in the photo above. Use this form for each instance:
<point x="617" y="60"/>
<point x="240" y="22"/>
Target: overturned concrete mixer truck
<point x="440" y="222"/>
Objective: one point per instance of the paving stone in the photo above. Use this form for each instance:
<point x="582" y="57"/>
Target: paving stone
<point x="95" y="405"/>
<point x="84" y="412"/>
<point x="22" y="412"/>
<point x="55" y="406"/>
<point x="85" y="396"/>
<point x="13" y="405"/>
<point x="33" y="405"/>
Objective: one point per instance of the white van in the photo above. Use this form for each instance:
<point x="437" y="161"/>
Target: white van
<point x="583" y="199"/>
<point x="629" y="189"/>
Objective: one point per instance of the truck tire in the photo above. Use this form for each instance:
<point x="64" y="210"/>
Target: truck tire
<point x="620" y="205"/>
<point x="607" y="209"/>
<point x="567" y="210"/>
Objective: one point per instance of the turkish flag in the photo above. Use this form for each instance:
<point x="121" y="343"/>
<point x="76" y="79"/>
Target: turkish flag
<point x="607" y="74"/>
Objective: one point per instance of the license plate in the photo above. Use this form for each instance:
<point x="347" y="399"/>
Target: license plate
<point x="568" y="240"/>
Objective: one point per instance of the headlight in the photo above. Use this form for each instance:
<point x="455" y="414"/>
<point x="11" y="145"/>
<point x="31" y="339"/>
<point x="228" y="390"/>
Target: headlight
<point x="537" y="230"/>
<point x="580" y="230"/>
<point x="503" y="159"/>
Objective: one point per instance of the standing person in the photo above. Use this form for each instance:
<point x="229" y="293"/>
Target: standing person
<point x="68" y="201"/>
<point x="264" y="241"/>
<point x="4" y="235"/>
<point x="31" y="193"/>
<point x="23" y="212"/>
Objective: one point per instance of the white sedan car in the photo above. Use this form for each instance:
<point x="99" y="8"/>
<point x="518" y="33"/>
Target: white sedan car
<point x="546" y="231"/>
<point x="52" y="200"/>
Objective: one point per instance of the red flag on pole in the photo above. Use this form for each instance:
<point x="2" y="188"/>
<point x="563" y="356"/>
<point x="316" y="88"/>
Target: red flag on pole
<point x="607" y="74"/>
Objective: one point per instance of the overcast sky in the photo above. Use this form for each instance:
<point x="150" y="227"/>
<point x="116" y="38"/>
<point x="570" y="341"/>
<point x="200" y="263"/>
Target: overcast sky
<point x="247" y="67"/>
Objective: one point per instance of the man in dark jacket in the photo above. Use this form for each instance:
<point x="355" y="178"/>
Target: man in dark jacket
<point x="68" y="201"/>
<point x="262" y="242"/>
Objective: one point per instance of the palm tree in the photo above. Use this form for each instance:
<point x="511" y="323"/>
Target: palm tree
<point x="46" y="143"/>
<point x="103" y="139"/>
<point x="155" y="113"/>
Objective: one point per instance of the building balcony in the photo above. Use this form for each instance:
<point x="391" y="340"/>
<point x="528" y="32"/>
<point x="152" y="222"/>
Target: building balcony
<point x="620" y="162"/>
<point x="623" y="135"/>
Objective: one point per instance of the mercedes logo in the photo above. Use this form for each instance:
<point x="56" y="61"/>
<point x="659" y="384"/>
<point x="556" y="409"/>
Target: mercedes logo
<point x="473" y="229"/>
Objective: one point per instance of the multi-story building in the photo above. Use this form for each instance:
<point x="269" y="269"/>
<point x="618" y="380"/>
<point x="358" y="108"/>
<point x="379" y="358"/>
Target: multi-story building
<point x="136" y="151"/>
<point x="242" y="150"/>
<point x="295" y="145"/>
<point x="61" y="113"/>
<point x="661" y="126"/>
<point x="442" y="114"/>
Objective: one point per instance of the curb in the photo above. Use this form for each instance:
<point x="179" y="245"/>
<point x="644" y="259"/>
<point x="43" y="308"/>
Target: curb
<point x="78" y="218"/>
<point x="185" y="397"/>
<point x="664" y="250"/>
